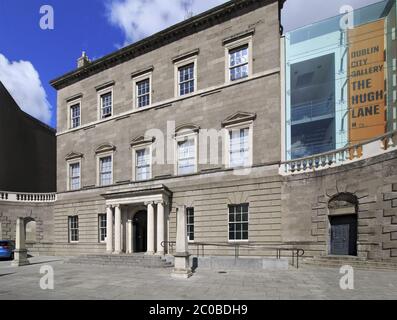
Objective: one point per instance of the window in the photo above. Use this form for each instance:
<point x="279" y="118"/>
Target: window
<point x="105" y="171"/>
<point x="238" y="222"/>
<point x="74" y="111"/>
<point x="186" y="79"/>
<point x="143" y="164"/>
<point x="238" y="63"/>
<point x="185" y="73"/>
<point x="239" y="147"/>
<point x="74" y="229"/>
<point x="186" y="156"/>
<point x="102" y="227"/>
<point x="142" y="88"/>
<point x="143" y="93"/>
<point x="106" y="105"/>
<point x="190" y="224"/>
<point x="74" y="176"/>
<point x="75" y="116"/>
<point x="238" y="58"/>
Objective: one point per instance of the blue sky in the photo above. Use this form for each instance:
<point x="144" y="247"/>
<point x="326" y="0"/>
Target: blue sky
<point x="30" y="57"/>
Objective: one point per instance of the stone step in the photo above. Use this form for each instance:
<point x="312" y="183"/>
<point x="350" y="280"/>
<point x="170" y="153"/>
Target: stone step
<point x="345" y="258"/>
<point x="121" y="260"/>
<point x="355" y="263"/>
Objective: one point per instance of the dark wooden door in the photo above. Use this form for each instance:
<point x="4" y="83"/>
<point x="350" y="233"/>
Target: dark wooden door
<point x="140" y="229"/>
<point x="344" y="235"/>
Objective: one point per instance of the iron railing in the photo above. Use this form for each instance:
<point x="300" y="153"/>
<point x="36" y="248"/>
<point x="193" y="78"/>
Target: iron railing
<point x="200" y="247"/>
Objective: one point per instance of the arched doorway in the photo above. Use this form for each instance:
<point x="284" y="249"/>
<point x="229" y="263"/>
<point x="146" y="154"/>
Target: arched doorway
<point x="343" y="224"/>
<point x="140" y="231"/>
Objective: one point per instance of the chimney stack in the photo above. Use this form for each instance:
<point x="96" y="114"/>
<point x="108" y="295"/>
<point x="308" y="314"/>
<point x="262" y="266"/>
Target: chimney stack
<point x="83" y="60"/>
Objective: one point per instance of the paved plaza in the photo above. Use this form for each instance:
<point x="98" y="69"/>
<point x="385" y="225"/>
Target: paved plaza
<point x="94" y="282"/>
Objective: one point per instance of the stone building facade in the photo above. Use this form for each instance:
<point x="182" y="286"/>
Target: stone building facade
<point x="215" y="101"/>
<point x="192" y="116"/>
<point x="364" y="191"/>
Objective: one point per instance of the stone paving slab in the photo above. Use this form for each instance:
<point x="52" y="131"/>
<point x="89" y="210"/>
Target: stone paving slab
<point x="104" y="283"/>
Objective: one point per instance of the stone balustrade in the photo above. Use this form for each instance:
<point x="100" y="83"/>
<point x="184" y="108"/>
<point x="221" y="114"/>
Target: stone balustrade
<point x="342" y="156"/>
<point x="27" y="197"/>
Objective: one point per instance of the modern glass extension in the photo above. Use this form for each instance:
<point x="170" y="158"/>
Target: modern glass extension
<point x="340" y="81"/>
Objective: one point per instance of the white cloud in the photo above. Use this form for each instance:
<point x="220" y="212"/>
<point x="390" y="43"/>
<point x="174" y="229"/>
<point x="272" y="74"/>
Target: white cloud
<point x="141" y="18"/>
<point x="23" y="82"/>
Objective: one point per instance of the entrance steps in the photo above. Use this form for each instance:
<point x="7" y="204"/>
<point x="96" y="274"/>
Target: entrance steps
<point x="121" y="260"/>
<point x="355" y="262"/>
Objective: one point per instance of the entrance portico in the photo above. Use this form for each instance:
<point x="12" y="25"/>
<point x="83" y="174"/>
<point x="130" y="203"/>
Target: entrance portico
<point x="125" y="225"/>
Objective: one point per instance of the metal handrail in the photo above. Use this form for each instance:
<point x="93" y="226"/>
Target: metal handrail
<point x="296" y="253"/>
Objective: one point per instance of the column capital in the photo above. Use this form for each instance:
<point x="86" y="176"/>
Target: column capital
<point x="149" y="202"/>
<point x="109" y="206"/>
<point x="163" y="202"/>
<point x="117" y="206"/>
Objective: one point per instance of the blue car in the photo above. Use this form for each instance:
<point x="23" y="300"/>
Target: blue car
<point x="7" y="249"/>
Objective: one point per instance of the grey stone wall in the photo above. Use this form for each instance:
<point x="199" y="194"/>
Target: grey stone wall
<point x="305" y="212"/>
<point x="42" y="215"/>
<point x="210" y="198"/>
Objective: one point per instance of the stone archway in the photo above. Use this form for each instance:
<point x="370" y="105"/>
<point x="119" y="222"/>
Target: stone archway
<point x="343" y="224"/>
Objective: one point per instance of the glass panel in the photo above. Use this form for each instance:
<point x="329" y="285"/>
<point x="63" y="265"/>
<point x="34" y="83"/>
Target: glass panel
<point x="143" y="164"/>
<point x="143" y="93"/>
<point x="239" y="148"/>
<point x="73" y="228"/>
<point x="238" y="222"/>
<point x="231" y="217"/>
<point x="102" y="227"/>
<point x="326" y="70"/>
<point x="186" y="79"/>
<point x="186" y="156"/>
<point x="74" y="172"/>
<point x="238" y="56"/>
<point x="238" y="63"/>
<point x="75" y="115"/>
<point x="313" y="106"/>
<point x="106" y="105"/>
<point x="106" y="171"/>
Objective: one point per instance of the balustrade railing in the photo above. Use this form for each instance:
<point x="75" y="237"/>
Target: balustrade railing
<point x="348" y="154"/>
<point x="27" y="197"/>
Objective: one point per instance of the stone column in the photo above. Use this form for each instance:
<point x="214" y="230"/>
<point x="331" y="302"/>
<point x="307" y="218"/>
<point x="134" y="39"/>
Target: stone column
<point x="160" y="228"/>
<point x="109" y="229"/>
<point x="150" y="228"/>
<point x="20" y="252"/>
<point x="117" y="229"/>
<point x="130" y="245"/>
<point x="182" y="265"/>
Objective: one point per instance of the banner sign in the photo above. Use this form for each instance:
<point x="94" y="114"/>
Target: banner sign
<point x="367" y="108"/>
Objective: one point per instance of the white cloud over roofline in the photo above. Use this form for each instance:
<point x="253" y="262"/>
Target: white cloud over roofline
<point x="23" y="82"/>
<point x="141" y="18"/>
